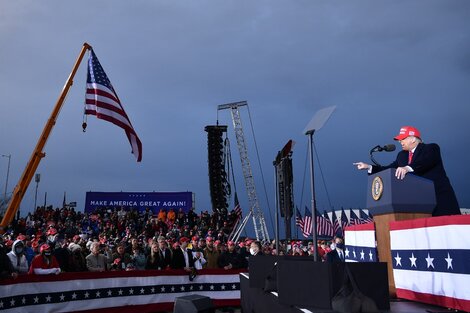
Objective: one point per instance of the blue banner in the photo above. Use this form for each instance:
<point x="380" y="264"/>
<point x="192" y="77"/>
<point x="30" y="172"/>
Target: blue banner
<point x="139" y="200"/>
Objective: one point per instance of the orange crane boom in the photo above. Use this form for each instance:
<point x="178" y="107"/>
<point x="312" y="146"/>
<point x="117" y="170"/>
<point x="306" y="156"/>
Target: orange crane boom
<point x="38" y="154"/>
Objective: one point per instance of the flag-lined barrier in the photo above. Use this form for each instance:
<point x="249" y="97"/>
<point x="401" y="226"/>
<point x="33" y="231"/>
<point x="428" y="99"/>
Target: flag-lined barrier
<point x="360" y="243"/>
<point x="431" y="260"/>
<point x="116" y="291"/>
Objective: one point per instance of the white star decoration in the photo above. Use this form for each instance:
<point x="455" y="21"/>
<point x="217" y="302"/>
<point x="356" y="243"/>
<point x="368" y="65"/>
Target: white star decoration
<point x="413" y="260"/>
<point x="362" y="254"/>
<point x="62" y="297"/>
<point x="429" y="260"/>
<point x="142" y="291"/>
<point x="110" y="293"/>
<point x="23" y="300"/>
<point x="449" y="261"/>
<point x="48" y="298"/>
<point x="354" y="253"/>
<point x="371" y="255"/>
<point x="398" y="260"/>
<point x="346" y="252"/>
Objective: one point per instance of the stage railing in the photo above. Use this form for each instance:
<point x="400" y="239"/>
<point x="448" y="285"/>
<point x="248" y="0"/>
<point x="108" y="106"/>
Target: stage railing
<point x="116" y="291"/>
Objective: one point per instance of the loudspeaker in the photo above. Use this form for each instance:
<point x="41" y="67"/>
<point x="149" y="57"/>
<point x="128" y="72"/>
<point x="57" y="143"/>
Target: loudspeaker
<point x="303" y="282"/>
<point x="193" y="304"/>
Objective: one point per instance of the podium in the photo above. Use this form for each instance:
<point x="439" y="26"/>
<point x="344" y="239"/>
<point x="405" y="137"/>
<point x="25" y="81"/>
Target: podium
<point x="391" y="199"/>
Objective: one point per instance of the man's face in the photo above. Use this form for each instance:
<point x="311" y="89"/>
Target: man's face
<point x="408" y="143"/>
<point x="161" y="244"/>
<point x="95" y="249"/>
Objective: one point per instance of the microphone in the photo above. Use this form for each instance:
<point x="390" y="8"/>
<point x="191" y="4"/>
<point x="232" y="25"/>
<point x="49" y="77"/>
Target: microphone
<point x="387" y="148"/>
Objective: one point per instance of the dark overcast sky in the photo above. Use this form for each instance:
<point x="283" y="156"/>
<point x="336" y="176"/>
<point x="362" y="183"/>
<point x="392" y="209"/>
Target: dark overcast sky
<point x="384" y="64"/>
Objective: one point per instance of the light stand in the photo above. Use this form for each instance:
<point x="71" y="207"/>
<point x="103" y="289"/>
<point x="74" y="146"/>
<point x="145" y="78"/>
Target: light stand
<point x="8" y="173"/>
<point x="37" y="179"/>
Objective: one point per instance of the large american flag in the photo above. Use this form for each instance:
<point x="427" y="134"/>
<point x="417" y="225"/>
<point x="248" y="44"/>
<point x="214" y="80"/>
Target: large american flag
<point x="102" y="101"/>
<point x="431" y="260"/>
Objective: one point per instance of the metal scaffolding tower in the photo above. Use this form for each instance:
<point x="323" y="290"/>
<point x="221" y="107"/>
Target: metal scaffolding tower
<point x="257" y="215"/>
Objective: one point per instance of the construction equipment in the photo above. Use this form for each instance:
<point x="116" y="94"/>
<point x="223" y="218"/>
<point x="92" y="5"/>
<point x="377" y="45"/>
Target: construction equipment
<point x="255" y="212"/>
<point x="38" y="154"/>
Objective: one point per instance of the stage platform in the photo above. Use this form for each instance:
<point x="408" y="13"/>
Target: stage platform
<point x="257" y="301"/>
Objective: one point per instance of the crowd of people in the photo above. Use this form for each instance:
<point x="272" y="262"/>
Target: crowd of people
<point x="51" y="241"/>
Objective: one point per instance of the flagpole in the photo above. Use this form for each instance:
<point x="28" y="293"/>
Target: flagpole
<point x="38" y="154"/>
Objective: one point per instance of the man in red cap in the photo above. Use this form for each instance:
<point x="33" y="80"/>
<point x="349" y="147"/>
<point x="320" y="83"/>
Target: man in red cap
<point x="182" y="256"/>
<point x="423" y="160"/>
<point x="230" y="259"/>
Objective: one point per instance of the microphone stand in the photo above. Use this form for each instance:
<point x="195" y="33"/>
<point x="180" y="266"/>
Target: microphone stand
<point x="375" y="149"/>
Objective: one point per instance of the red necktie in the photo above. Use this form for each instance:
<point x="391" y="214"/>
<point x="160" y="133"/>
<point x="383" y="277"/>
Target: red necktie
<point x="410" y="156"/>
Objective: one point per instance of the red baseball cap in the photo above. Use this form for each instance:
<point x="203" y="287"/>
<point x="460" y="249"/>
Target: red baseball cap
<point x="209" y="239"/>
<point x="230" y="243"/>
<point x="407" y="131"/>
<point x="184" y="239"/>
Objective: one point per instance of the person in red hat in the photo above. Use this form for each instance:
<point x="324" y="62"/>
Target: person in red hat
<point x="423" y="160"/>
<point x="44" y="263"/>
<point x="230" y="259"/>
<point x="211" y="254"/>
<point x="182" y="256"/>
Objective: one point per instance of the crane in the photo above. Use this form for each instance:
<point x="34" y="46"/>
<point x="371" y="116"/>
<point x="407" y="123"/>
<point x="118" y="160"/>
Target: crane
<point x="38" y="154"/>
<point x="255" y="212"/>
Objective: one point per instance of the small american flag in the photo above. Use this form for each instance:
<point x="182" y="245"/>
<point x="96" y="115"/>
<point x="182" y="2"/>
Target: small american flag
<point x="238" y="209"/>
<point x="308" y="227"/>
<point x="353" y="218"/>
<point x="102" y="101"/>
<point x="299" y="221"/>
<point x="324" y="226"/>
<point x="336" y="225"/>
<point x="365" y="218"/>
<point x="344" y="220"/>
